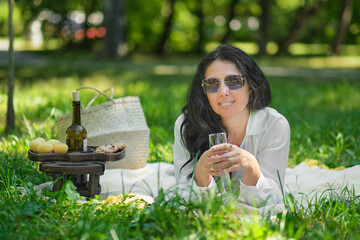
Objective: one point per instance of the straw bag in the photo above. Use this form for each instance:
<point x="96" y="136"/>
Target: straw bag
<point x="119" y="120"/>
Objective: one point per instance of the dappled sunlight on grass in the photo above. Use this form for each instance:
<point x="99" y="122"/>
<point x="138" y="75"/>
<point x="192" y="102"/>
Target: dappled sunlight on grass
<point x="139" y="88"/>
<point x="306" y="49"/>
<point x="339" y="96"/>
<point x="250" y="48"/>
<point x="336" y="62"/>
<point x="321" y="49"/>
<point x="322" y="114"/>
<point x="170" y="70"/>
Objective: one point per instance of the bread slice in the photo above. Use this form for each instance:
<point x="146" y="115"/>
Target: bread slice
<point x="120" y="146"/>
<point x="110" y="148"/>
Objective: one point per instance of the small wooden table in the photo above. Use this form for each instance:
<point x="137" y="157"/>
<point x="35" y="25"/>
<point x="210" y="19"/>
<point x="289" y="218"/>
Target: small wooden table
<point x="82" y="168"/>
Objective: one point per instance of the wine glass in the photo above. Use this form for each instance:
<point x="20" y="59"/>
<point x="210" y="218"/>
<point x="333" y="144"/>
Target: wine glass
<point x="214" y="139"/>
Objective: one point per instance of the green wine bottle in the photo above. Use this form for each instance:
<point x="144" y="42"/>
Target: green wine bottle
<point x="76" y="134"/>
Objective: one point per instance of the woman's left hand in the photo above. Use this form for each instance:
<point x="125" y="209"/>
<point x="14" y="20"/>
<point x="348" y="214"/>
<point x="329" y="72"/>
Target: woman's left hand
<point x="235" y="158"/>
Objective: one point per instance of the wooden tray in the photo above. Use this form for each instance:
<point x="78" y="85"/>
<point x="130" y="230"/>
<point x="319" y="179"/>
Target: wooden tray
<point x="89" y="155"/>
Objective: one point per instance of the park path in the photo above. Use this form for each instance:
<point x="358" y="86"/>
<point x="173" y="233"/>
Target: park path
<point x="28" y="58"/>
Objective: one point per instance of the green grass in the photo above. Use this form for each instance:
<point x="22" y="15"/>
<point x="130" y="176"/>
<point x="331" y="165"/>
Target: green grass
<point x="323" y="115"/>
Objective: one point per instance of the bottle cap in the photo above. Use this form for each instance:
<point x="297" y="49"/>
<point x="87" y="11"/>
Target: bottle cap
<point x="75" y="96"/>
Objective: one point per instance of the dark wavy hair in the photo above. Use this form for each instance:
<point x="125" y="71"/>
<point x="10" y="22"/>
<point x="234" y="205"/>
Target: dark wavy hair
<point x="200" y="120"/>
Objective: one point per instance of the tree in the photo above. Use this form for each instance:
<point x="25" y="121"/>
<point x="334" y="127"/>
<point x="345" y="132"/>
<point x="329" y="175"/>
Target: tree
<point x="10" y="116"/>
<point x="264" y="20"/>
<point x="114" y="21"/>
<point x="200" y="27"/>
<point x="231" y="15"/>
<point x="160" y="49"/>
<point x="344" y="21"/>
<point x="304" y="13"/>
<point x="89" y="7"/>
<point x="29" y="12"/>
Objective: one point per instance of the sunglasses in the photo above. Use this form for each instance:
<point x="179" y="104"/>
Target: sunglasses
<point x="211" y="85"/>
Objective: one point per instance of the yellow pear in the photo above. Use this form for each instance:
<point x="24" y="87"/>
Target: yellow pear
<point x="34" y="145"/>
<point x="45" y="148"/>
<point x="60" y="147"/>
<point x="53" y="141"/>
<point x="41" y="139"/>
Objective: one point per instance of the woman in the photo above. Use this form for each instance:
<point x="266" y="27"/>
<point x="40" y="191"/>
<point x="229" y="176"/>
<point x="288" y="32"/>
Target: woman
<point x="230" y="94"/>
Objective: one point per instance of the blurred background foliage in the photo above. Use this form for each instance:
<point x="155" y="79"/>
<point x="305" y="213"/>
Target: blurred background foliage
<point x="157" y="45"/>
<point x="184" y="26"/>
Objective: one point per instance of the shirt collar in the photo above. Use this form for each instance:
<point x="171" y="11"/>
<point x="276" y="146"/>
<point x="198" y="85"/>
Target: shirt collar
<point x="256" y="123"/>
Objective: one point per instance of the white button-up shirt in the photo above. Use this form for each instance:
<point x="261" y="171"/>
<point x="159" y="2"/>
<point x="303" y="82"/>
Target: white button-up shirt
<point x="267" y="137"/>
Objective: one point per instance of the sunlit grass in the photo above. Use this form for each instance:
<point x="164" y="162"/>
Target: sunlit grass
<point x="321" y="49"/>
<point x="337" y="62"/>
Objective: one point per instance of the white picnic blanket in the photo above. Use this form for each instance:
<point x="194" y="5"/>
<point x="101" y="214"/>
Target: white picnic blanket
<point x="309" y="184"/>
<point x="144" y="181"/>
<point x="305" y="183"/>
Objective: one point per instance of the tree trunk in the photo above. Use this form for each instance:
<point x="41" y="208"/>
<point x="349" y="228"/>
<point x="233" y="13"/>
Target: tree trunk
<point x="200" y="27"/>
<point x="88" y="9"/>
<point x="264" y="20"/>
<point x="344" y="21"/>
<point x="114" y="44"/>
<point x="304" y="13"/>
<point x="10" y="116"/>
<point x="160" y="49"/>
<point x="231" y="15"/>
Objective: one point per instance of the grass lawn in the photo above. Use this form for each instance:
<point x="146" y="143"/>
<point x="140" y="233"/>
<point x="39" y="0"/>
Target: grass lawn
<point x="323" y="114"/>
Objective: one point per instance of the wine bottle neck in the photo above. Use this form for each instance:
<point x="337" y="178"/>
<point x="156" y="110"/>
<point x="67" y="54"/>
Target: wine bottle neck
<point x="76" y="113"/>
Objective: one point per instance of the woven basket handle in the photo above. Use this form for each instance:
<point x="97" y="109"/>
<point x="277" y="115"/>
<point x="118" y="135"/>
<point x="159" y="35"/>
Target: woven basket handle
<point x="100" y="93"/>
